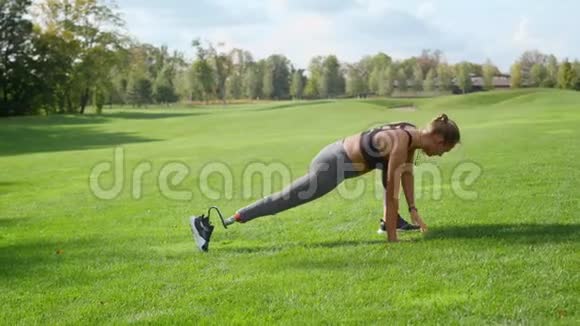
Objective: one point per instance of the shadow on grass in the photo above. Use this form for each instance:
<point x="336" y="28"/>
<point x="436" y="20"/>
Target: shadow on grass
<point x="7" y="222"/>
<point x="345" y="243"/>
<point x="517" y="233"/>
<point x="22" y="259"/>
<point x="390" y="103"/>
<point x="307" y="245"/>
<point x="4" y="185"/>
<point x="9" y="187"/>
<point x="52" y="120"/>
<point x="68" y="258"/>
<point x="25" y="140"/>
<point x="291" y="105"/>
<point x="24" y="135"/>
<point x="88" y="119"/>
<point x="150" y="116"/>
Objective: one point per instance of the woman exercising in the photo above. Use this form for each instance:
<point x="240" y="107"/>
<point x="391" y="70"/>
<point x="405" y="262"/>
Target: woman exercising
<point x="390" y="148"/>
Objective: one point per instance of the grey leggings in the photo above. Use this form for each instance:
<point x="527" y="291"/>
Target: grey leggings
<point x="327" y="170"/>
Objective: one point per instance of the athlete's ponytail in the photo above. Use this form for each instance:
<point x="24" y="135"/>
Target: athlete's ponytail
<point x="446" y="128"/>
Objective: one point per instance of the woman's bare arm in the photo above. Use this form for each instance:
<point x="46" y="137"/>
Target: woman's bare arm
<point x="408" y="180"/>
<point x="397" y="159"/>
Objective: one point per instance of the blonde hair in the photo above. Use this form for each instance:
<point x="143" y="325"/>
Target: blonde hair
<point x="446" y="128"/>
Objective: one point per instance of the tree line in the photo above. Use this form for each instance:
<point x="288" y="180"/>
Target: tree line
<point x="536" y="69"/>
<point x="59" y="56"/>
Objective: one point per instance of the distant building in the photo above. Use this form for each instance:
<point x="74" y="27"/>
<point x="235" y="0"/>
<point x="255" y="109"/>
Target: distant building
<point x="499" y="81"/>
<point x="477" y="84"/>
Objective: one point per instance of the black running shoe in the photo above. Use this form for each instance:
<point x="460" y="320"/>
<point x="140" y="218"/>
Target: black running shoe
<point x="408" y="227"/>
<point x="402" y="225"/>
<point x="201" y="229"/>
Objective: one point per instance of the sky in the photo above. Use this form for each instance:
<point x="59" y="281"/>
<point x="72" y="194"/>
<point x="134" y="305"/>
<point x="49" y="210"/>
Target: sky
<point x="301" y="29"/>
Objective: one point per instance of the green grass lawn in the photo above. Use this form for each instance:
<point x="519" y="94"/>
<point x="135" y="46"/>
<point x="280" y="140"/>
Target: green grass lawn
<point x="509" y="257"/>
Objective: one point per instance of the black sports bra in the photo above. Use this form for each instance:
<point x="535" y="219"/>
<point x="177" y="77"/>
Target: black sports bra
<point x="372" y="156"/>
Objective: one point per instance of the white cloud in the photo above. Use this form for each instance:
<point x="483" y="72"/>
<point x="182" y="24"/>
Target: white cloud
<point x="301" y="29"/>
<point x="277" y="7"/>
<point x="302" y="37"/>
<point x="367" y="27"/>
<point x="374" y="7"/>
<point x="521" y="36"/>
<point x="525" y="37"/>
<point x="425" y="10"/>
<point x="299" y="37"/>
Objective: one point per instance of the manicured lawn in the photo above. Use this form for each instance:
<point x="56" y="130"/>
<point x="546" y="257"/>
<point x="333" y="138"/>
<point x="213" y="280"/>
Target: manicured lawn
<point x="510" y="256"/>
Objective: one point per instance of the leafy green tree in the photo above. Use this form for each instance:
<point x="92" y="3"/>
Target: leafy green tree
<point x="92" y="28"/>
<point x="576" y="69"/>
<point x="355" y="84"/>
<point x="324" y="85"/>
<point x="402" y="80"/>
<point x="566" y="75"/>
<point x="445" y="77"/>
<point x="194" y="88"/>
<point x="551" y="72"/>
<point x="157" y="59"/>
<point x="429" y="83"/>
<point x="221" y="68"/>
<point x="252" y="82"/>
<point x="297" y="86"/>
<point x="211" y="60"/>
<point x="311" y="88"/>
<point x="376" y="66"/>
<point x="417" y="78"/>
<point x="387" y="81"/>
<point x="16" y="63"/>
<point x="54" y="68"/>
<point x="164" y="88"/>
<point x="516" y="75"/>
<point x="408" y="66"/>
<point x="268" y="81"/>
<point x="364" y="68"/>
<point x="204" y="77"/>
<point x="429" y="59"/>
<point x="234" y="86"/>
<point x="381" y="61"/>
<point x="203" y="73"/>
<point x="371" y="68"/>
<point x="538" y="74"/>
<point x="463" y="77"/>
<point x="182" y="86"/>
<point x="489" y="71"/>
<point x="240" y="62"/>
<point x="139" y="69"/>
<point x="374" y="79"/>
<point x="329" y="83"/>
<point x="140" y="91"/>
<point x="99" y="99"/>
<point x="276" y="77"/>
<point x="527" y="60"/>
<point x="116" y="92"/>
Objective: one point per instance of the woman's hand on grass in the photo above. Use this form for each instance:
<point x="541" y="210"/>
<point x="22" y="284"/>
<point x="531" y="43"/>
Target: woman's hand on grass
<point x="416" y="218"/>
